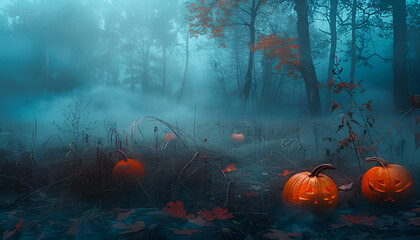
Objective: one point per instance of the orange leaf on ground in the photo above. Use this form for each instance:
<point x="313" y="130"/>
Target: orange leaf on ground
<point x="176" y="210"/>
<point x="217" y="213"/>
<point x="250" y="193"/>
<point x="205" y="156"/>
<point x="125" y="215"/>
<point x="185" y="231"/>
<point x="360" y="219"/>
<point x="277" y="234"/>
<point x="18" y="226"/>
<point x="230" y="168"/>
<point x="285" y="172"/>
<point x="414" y="221"/>
<point x="415" y="210"/>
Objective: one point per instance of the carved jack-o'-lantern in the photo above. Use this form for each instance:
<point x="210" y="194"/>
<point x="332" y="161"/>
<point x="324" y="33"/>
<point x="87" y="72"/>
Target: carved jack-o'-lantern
<point x="312" y="192"/>
<point x="128" y="169"/>
<point x="237" y="139"/>
<point x="168" y="136"/>
<point x="387" y="184"/>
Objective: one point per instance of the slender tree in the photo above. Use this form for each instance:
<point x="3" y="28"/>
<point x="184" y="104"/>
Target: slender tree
<point x="307" y="69"/>
<point x="400" y="73"/>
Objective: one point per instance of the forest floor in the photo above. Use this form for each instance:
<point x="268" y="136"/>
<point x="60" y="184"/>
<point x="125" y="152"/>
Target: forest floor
<point x="191" y="191"/>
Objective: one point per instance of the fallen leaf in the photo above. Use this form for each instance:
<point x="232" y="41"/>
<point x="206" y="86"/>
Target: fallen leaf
<point x="176" y="210"/>
<point x="415" y="210"/>
<point x="18" y="226"/>
<point x="230" y="168"/>
<point x="360" y="219"/>
<point x="414" y="221"/>
<point x="199" y="221"/>
<point x="285" y="173"/>
<point x="338" y="225"/>
<point x="130" y="228"/>
<point x="205" y="156"/>
<point x="217" y="213"/>
<point x="250" y="193"/>
<point x="185" y="231"/>
<point x="346" y="187"/>
<point x="136" y="227"/>
<point x="277" y="234"/>
<point x="125" y="215"/>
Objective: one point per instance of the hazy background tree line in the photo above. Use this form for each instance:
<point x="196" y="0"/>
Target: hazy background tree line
<point x="145" y="47"/>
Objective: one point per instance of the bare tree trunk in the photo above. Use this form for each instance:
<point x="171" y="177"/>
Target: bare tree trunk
<point x="248" y="77"/>
<point x="184" y="80"/>
<point x="164" y="69"/>
<point x="353" y="41"/>
<point x="47" y="74"/>
<point x="333" y="49"/>
<point x="400" y="74"/>
<point x="131" y="68"/>
<point x="308" y="69"/>
<point x="237" y="60"/>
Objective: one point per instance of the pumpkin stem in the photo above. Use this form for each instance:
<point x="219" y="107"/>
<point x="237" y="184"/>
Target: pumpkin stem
<point x="316" y="171"/>
<point x="378" y="161"/>
<point x="122" y="154"/>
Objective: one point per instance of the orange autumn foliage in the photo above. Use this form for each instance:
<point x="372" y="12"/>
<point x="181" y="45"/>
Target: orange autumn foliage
<point x="284" y="49"/>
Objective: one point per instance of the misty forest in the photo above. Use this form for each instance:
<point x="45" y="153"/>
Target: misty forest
<point x="209" y="119"/>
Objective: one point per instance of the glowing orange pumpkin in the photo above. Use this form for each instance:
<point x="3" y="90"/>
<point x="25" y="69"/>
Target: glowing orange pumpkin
<point x="388" y="184"/>
<point x="237" y="139"/>
<point x="311" y="192"/>
<point x="168" y="136"/>
<point x="128" y="168"/>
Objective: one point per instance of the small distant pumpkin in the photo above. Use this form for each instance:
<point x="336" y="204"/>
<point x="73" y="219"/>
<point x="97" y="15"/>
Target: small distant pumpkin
<point x="415" y="101"/>
<point x="311" y="192"/>
<point x="389" y="184"/>
<point x="237" y="138"/>
<point x="168" y="136"/>
<point x="128" y="168"/>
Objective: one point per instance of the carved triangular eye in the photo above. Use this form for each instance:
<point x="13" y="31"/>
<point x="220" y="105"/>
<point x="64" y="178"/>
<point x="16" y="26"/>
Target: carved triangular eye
<point x="397" y="182"/>
<point x="309" y="190"/>
<point x="373" y="188"/>
<point x="327" y="190"/>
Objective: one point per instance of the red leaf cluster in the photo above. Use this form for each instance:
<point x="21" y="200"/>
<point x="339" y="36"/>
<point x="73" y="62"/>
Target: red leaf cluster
<point x="360" y="219"/>
<point x="217" y="213"/>
<point x="230" y="168"/>
<point x="285" y="173"/>
<point x="285" y="50"/>
<point x="176" y="210"/>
